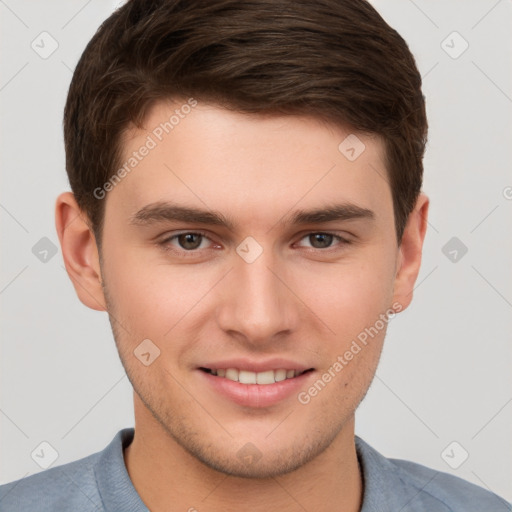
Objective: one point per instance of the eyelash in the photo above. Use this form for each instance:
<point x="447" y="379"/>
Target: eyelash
<point x="165" y="244"/>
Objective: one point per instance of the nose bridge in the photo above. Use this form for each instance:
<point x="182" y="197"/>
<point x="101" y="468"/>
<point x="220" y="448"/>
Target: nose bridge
<point x="257" y="304"/>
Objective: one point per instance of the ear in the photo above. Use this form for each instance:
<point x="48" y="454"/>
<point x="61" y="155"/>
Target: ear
<point x="409" y="253"/>
<point x="79" y="250"/>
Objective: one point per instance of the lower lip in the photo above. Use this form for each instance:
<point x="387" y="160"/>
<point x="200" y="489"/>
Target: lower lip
<point x="256" y="395"/>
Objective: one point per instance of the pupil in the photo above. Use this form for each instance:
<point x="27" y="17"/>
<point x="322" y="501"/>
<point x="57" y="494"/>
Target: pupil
<point x="187" y="240"/>
<point x="324" y="240"/>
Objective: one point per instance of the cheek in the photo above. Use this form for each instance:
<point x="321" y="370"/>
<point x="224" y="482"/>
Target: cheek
<point x="351" y="295"/>
<point x="152" y="297"/>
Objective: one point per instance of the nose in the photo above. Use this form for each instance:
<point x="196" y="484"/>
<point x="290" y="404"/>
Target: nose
<point x="257" y="303"/>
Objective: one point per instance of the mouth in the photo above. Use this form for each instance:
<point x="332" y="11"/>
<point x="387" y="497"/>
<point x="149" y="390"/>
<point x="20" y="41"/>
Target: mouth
<point x="255" y="383"/>
<point x="266" y="377"/>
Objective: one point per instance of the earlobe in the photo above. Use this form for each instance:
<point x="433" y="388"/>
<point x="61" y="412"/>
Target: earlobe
<point x="410" y="252"/>
<point x="79" y="251"/>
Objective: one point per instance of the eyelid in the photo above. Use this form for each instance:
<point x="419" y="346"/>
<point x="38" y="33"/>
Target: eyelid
<point x="169" y="237"/>
<point x="341" y="240"/>
<point x="166" y="246"/>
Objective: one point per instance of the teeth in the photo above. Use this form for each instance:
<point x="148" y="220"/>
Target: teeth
<point x="247" y="377"/>
<point x="280" y="375"/>
<point x="232" y="374"/>
<point x="265" y="377"/>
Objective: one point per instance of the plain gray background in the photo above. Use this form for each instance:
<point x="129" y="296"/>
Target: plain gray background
<point x="445" y="373"/>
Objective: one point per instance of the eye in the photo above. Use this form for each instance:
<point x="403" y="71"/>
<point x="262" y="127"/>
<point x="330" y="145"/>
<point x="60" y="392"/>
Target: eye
<point x="323" y="240"/>
<point x="189" y="241"/>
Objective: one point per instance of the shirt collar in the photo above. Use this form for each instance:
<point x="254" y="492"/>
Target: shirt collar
<point x="114" y="484"/>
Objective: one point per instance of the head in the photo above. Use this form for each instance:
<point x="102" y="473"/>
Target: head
<point x="286" y="138"/>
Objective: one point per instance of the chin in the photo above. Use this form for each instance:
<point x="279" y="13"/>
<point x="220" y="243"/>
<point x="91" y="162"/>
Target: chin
<point x="255" y="458"/>
<point x="249" y="462"/>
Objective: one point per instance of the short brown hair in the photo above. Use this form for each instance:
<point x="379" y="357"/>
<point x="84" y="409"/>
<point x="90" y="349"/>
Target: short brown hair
<point x="337" y="60"/>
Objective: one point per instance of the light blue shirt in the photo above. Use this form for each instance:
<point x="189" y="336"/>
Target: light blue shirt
<point x="100" y="482"/>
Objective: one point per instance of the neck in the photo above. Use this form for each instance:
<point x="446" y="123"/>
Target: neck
<point x="165" y="475"/>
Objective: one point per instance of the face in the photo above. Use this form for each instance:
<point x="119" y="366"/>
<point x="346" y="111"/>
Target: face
<point x="249" y="248"/>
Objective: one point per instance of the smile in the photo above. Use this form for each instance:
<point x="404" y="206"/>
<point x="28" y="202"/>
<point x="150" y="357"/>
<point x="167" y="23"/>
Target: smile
<point x="247" y="377"/>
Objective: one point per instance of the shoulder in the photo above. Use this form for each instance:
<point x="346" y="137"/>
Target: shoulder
<point x="454" y="492"/>
<point x="71" y="486"/>
<point x="414" y="487"/>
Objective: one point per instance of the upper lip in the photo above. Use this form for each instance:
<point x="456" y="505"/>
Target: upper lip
<point x="256" y="366"/>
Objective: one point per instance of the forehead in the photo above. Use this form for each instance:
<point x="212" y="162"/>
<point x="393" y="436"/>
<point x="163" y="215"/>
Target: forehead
<point x="208" y="156"/>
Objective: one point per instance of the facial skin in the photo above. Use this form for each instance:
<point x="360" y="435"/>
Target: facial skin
<point x="304" y="299"/>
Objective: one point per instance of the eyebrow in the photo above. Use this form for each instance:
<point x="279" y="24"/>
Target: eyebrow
<point x="164" y="211"/>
